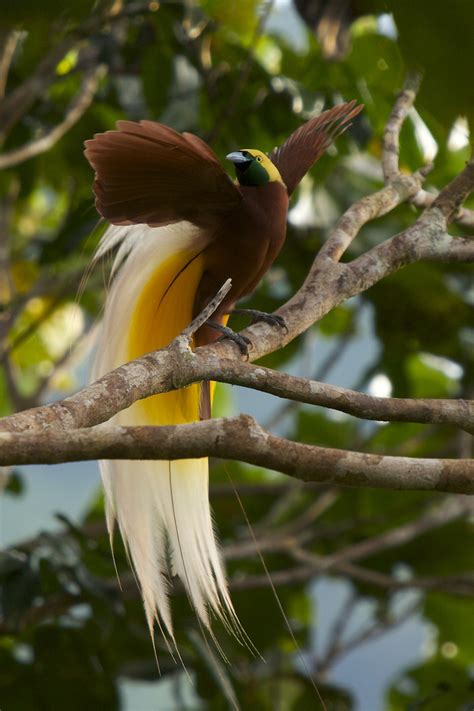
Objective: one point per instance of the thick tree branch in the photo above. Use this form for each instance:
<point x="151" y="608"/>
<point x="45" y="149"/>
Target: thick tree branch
<point x="178" y="366"/>
<point x="328" y="284"/>
<point x="243" y="439"/>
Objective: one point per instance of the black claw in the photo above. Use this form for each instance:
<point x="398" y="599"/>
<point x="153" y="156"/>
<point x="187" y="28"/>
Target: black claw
<point x="242" y="341"/>
<point x="256" y="315"/>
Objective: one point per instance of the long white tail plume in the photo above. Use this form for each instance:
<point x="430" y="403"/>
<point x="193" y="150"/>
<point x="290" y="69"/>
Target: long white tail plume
<point x="162" y="508"/>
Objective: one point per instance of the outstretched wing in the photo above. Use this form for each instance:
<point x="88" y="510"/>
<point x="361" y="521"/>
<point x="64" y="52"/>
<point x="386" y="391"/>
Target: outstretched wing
<point x="303" y="148"/>
<point x="149" y="173"/>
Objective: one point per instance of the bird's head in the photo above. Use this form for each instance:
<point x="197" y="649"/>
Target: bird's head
<point x="254" y="167"/>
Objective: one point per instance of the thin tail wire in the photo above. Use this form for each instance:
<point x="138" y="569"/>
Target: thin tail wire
<point x="274" y="590"/>
<point x="201" y="626"/>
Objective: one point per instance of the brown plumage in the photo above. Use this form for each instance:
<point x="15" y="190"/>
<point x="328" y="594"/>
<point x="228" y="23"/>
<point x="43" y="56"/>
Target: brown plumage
<point x="183" y="227"/>
<point x="149" y="173"/>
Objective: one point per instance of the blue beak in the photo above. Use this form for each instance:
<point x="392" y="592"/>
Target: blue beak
<point x="237" y="157"/>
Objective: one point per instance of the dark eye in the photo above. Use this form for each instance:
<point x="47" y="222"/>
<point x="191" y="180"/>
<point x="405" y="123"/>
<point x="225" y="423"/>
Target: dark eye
<point x="259" y="159"/>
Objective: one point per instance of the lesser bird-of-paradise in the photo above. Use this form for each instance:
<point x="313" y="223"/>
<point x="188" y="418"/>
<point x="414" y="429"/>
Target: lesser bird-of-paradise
<point x="181" y="227"/>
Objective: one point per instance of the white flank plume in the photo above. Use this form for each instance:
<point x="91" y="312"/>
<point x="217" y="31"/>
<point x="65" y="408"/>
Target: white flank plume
<point x="159" y="506"/>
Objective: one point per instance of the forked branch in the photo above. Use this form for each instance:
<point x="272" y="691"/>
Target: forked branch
<point x="56" y="432"/>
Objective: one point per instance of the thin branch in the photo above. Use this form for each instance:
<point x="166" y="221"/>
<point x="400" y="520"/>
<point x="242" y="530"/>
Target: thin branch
<point x="450" y="510"/>
<point x="8" y="45"/>
<point x="372" y="631"/>
<point x="65" y="362"/>
<point x="424" y="199"/>
<point x="391" y="149"/>
<point x="339" y="627"/>
<point x="312" y="392"/>
<point x="453" y="195"/>
<point x="321" y="373"/>
<point x="17" y="103"/>
<point x="391" y="136"/>
<point x="462" y="585"/>
<point x="239" y="438"/>
<point x="366" y="209"/>
<point x="65" y="286"/>
<point x="74" y="112"/>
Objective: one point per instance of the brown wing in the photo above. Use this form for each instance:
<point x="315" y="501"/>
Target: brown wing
<point x="149" y="173"/>
<point x="303" y="148"/>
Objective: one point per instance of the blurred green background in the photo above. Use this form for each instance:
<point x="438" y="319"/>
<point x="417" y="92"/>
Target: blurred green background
<point x="239" y="73"/>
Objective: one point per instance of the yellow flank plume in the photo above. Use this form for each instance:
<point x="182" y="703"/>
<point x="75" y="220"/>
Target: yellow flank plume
<point x="163" y="309"/>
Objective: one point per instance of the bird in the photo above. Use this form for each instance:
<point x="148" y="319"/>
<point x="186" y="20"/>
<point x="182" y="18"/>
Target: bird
<point x="179" y="227"/>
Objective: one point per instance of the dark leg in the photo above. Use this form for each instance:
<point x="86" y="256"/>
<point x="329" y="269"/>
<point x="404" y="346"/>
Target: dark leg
<point x="241" y="341"/>
<point x="256" y="315"/>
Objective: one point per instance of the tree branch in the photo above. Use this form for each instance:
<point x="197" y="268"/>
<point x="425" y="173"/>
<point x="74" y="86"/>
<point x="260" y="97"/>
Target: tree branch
<point x="391" y="135"/>
<point x="365" y="210"/>
<point x="391" y="150"/>
<point x="8" y="44"/>
<point x="328" y="284"/>
<point x="177" y="366"/>
<point x="451" y="198"/>
<point x="17" y="103"/>
<point x="243" y="439"/>
<point x="74" y="112"/>
<point x="451" y="509"/>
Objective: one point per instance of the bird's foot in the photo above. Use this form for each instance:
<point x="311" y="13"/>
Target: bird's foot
<point x="242" y="341"/>
<point x="256" y="315"/>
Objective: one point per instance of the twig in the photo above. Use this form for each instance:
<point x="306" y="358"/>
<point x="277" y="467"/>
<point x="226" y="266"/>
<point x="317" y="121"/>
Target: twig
<point x="459" y="585"/>
<point x="337" y="630"/>
<point x="462" y="585"/>
<point x="372" y="631"/>
<point x="208" y="310"/>
<point x="317" y="508"/>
